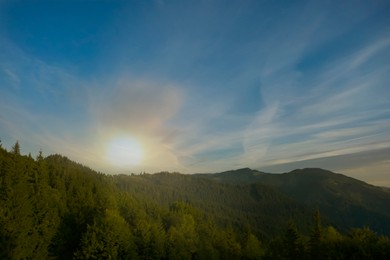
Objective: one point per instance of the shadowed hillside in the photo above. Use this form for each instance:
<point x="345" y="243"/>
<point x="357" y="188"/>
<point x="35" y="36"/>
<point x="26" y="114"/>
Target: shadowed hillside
<point x="344" y="201"/>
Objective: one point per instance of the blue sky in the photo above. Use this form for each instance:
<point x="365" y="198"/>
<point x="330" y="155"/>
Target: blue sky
<point x="199" y="86"/>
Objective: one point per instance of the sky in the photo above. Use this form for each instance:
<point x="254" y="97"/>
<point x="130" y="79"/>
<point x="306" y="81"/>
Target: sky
<point x="199" y="86"/>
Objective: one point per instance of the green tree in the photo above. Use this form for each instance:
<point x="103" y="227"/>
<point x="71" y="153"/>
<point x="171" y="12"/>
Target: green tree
<point x="149" y="238"/>
<point x="208" y="238"/>
<point x="293" y="245"/>
<point x="182" y="238"/>
<point x="316" y="237"/>
<point x="382" y="248"/>
<point x="253" y="248"/>
<point x="107" y="238"/>
<point x="361" y="243"/>
<point x="16" y="148"/>
<point x="331" y="243"/>
<point x="227" y="244"/>
<point x="40" y="155"/>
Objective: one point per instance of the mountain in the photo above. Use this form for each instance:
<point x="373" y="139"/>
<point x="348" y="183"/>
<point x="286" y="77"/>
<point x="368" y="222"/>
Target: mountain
<point x="263" y="199"/>
<point x="262" y="207"/>
<point x="346" y="202"/>
<point x="55" y="208"/>
<point x="240" y="176"/>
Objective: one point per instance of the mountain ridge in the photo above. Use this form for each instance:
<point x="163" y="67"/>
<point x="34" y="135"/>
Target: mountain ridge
<point x="338" y="196"/>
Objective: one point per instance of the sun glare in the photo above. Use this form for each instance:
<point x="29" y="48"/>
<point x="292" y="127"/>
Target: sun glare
<point x="124" y="151"/>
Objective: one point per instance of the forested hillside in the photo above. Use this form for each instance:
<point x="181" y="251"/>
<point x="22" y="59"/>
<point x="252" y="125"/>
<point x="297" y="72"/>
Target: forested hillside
<point x="263" y="208"/>
<point x="54" y="208"/>
<point x="355" y="202"/>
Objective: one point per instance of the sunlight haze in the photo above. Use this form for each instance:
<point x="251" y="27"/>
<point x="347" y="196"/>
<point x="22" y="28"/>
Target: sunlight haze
<point x="124" y="152"/>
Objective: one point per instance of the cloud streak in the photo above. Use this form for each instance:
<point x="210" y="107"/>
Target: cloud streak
<point x="343" y="114"/>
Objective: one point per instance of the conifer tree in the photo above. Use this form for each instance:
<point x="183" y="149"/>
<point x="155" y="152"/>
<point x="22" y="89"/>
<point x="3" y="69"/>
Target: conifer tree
<point x="316" y="236"/>
<point x="253" y="249"/>
<point x="16" y="148"/>
<point x="40" y="156"/>
<point x="293" y="244"/>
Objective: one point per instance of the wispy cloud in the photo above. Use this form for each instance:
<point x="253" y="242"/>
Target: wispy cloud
<point x="371" y="166"/>
<point x="341" y="106"/>
<point x="39" y="111"/>
<point x="342" y="112"/>
<point x="12" y="76"/>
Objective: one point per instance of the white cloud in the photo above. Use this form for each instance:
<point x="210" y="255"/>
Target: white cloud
<point x="369" y="52"/>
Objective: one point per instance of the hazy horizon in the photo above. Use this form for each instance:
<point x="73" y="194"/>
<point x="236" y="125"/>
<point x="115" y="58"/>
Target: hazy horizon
<point x="199" y="86"/>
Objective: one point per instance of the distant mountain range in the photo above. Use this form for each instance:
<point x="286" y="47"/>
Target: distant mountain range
<point x="268" y="201"/>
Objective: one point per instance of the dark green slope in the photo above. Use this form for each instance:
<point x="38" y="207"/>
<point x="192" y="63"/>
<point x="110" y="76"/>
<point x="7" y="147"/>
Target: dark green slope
<point x="263" y="208"/>
<point x="347" y="202"/>
<point x="240" y="176"/>
<point x="344" y="201"/>
<point x="54" y="208"/>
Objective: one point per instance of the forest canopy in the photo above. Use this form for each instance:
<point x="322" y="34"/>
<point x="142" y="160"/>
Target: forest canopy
<point x="55" y="208"/>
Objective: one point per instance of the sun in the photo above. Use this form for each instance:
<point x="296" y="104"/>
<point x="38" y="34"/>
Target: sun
<point x="124" y="152"/>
